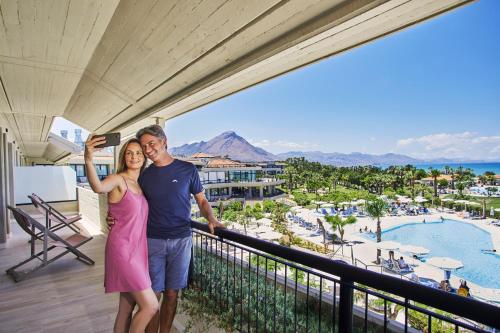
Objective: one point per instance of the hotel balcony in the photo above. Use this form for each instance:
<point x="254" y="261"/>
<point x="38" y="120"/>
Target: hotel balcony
<point x="117" y="66"/>
<point x="241" y="284"/>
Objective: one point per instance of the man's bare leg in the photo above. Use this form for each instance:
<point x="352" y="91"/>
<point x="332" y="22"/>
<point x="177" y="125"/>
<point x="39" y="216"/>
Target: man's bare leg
<point x="168" y="309"/>
<point x="154" y="324"/>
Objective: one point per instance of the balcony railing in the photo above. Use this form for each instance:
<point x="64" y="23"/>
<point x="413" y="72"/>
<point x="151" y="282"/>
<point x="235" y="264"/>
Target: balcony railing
<point x="258" y="180"/>
<point x="258" y="286"/>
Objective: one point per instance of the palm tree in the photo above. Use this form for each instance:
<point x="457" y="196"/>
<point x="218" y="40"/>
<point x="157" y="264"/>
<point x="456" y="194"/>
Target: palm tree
<point x="279" y="214"/>
<point x="335" y="179"/>
<point x="460" y="188"/>
<point x="376" y="209"/>
<point x="411" y="176"/>
<point x="451" y="172"/>
<point x="221" y="209"/>
<point x="434" y="174"/>
<point x="338" y="223"/>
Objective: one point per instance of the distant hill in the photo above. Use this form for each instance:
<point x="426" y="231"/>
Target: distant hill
<point x="226" y="144"/>
<point x="237" y="148"/>
<point x="339" y="159"/>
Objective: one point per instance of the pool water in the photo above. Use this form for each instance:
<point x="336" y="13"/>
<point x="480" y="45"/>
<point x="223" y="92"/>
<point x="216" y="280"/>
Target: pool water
<point x="457" y="240"/>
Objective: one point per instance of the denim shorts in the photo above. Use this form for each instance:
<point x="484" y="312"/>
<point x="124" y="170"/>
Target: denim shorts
<point x="169" y="263"/>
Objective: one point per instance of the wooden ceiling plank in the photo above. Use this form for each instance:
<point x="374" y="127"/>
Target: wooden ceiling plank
<point x="133" y="53"/>
<point x="73" y="32"/>
<point x="12" y="27"/>
<point x="103" y="14"/>
<point x="57" y="53"/>
<point x="128" y="16"/>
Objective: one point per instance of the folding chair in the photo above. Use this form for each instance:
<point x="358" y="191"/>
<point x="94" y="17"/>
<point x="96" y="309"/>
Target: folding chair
<point x="52" y="215"/>
<point x="30" y="225"/>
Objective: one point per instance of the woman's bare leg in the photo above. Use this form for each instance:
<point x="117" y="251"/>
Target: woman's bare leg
<point x="124" y="315"/>
<point x="148" y="306"/>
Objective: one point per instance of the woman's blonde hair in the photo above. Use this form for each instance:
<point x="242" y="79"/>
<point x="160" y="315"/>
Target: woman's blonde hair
<point x="122" y="164"/>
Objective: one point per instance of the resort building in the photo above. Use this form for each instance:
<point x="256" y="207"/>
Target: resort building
<point x="224" y="178"/>
<point x="118" y="66"/>
<point x="430" y="180"/>
<point x="104" y="160"/>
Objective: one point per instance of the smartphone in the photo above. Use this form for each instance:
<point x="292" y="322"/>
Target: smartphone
<point x="112" y="139"/>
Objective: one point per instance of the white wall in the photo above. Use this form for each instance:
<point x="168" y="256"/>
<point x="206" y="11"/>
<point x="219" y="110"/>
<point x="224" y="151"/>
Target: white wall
<point x="51" y="183"/>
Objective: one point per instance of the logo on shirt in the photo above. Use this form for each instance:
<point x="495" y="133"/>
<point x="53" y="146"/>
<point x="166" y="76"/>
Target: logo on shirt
<point x="175" y="181"/>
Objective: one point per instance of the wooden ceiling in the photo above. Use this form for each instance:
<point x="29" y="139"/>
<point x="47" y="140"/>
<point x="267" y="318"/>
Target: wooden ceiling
<point x="114" y="64"/>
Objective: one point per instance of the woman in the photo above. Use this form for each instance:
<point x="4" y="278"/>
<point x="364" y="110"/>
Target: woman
<point x="126" y="258"/>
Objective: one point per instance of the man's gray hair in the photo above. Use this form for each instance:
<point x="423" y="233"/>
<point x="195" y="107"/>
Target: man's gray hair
<point x="154" y="130"/>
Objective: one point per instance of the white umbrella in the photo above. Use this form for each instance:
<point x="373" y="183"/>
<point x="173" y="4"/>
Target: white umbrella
<point x="466" y="202"/>
<point x="473" y="203"/>
<point x="388" y="245"/>
<point x="344" y="203"/>
<point x="420" y="199"/>
<point x="317" y="214"/>
<point x="296" y="208"/>
<point x="447" y="199"/>
<point x="270" y="235"/>
<point x="264" y="221"/>
<point x="414" y="249"/>
<point x="327" y="205"/>
<point x="497" y="209"/>
<point x="262" y="229"/>
<point x="445" y="263"/>
<point x="361" y="201"/>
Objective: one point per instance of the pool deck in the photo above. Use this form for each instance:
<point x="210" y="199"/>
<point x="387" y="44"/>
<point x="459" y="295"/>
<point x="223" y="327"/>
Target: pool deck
<point x="366" y="252"/>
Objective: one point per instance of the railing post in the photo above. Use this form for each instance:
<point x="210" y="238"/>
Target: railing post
<point x="345" y="305"/>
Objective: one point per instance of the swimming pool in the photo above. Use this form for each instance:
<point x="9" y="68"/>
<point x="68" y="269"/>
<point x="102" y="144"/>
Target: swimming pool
<point x="454" y="239"/>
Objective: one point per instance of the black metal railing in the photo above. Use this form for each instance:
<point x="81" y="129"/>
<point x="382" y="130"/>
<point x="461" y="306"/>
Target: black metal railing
<point x="257" y="286"/>
<point x="224" y="181"/>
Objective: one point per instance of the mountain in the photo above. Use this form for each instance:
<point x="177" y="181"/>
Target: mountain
<point x="237" y="148"/>
<point x="339" y="159"/>
<point x="226" y="144"/>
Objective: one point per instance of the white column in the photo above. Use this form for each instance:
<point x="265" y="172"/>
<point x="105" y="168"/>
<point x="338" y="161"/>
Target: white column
<point x="3" y="180"/>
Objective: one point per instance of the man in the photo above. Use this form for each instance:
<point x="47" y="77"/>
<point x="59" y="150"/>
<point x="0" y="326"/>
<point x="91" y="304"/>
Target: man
<point x="402" y="264"/>
<point x="168" y="184"/>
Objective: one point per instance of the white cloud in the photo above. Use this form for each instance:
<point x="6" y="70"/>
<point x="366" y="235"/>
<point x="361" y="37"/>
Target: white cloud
<point x="466" y="145"/>
<point x="282" y="145"/>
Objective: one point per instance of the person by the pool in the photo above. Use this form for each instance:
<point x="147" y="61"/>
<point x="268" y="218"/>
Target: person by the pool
<point x="463" y="290"/>
<point x="402" y="264"/>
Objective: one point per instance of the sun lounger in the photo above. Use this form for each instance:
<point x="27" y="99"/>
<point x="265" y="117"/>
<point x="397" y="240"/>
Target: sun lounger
<point x="393" y="266"/>
<point x="495" y="222"/>
<point x="55" y="220"/>
<point x="50" y="241"/>
<point x="424" y="281"/>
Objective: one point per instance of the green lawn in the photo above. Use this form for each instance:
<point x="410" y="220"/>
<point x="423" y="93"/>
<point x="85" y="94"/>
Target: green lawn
<point x="495" y="202"/>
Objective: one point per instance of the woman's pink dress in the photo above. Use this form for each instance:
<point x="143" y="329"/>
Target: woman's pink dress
<point x="126" y="255"/>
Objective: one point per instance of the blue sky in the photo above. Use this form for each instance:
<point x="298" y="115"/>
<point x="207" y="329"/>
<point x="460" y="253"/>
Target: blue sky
<point x="430" y="91"/>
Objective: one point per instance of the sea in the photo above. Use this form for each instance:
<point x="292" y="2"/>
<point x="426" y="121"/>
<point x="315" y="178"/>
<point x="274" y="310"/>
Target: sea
<point x="477" y="168"/>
